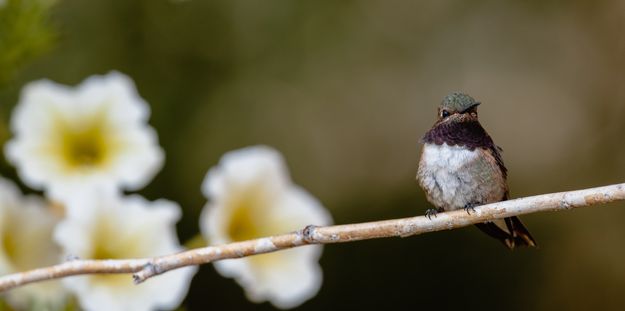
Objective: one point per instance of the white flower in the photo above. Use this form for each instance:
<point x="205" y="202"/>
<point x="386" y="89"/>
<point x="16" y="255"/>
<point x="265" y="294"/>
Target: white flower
<point x="250" y="196"/>
<point x="123" y="228"/>
<point x="26" y="227"/>
<point x="69" y="138"/>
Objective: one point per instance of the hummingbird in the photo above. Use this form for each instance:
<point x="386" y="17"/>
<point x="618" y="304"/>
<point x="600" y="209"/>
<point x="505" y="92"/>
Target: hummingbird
<point x="461" y="167"/>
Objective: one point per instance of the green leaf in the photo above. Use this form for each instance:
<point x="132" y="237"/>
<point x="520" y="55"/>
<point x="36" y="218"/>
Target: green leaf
<point x="25" y="33"/>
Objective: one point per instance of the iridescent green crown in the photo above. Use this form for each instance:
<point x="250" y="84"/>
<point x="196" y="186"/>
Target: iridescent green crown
<point x="458" y="101"/>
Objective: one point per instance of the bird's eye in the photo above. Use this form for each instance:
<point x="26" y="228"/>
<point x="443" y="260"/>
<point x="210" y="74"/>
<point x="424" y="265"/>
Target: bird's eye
<point x="444" y="113"/>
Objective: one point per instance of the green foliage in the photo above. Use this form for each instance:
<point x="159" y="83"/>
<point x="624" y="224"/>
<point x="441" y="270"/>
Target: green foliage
<point x="25" y="33"/>
<point x="4" y="306"/>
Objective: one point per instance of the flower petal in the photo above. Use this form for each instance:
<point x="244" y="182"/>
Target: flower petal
<point x="94" y="135"/>
<point x="25" y="228"/>
<point x="250" y="196"/>
<point x="119" y="228"/>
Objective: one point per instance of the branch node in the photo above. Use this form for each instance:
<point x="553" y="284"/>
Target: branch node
<point x="136" y="279"/>
<point x="565" y="204"/>
<point x="308" y="234"/>
<point x="149" y="270"/>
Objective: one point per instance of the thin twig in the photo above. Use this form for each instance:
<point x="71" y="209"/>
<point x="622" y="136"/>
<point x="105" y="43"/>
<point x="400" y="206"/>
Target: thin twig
<point x="149" y="267"/>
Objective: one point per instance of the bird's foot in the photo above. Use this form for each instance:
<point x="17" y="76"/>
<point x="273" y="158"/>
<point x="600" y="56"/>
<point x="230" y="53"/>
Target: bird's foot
<point x="470" y="207"/>
<point x="432" y="212"/>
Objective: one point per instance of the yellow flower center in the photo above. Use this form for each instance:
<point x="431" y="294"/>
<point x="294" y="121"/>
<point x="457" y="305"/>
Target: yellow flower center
<point x="84" y="148"/>
<point x="83" y="145"/>
<point x="26" y="247"/>
<point x="9" y="245"/>
<point x="110" y="242"/>
<point x="243" y="225"/>
<point x="253" y="217"/>
<point x="246" y="224"/>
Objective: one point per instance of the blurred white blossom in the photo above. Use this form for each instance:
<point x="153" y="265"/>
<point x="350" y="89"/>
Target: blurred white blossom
<point x="26" y="227"/>
<point x="251" y="195"/>
<point x="70" y="139"/>
<point x="124" y="228"/>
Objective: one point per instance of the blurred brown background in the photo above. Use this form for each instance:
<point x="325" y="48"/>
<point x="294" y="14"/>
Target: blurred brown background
<point x="345" y="89"/>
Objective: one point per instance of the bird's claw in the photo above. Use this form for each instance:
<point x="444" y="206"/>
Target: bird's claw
<point x="431" y="212"/>
<point x="470" y="207"/>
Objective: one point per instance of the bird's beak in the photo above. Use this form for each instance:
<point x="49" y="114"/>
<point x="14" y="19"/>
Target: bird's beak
<point x="471" y="107"/>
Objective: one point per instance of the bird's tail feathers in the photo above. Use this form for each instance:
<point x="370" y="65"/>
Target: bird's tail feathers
<point x="511" y="232"/>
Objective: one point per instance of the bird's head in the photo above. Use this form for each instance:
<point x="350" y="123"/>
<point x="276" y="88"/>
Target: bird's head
<point x="457" y="107"/>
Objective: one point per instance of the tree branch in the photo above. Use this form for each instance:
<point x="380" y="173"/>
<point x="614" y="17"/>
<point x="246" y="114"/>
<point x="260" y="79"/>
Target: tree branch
<point x="149" y="267"/>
